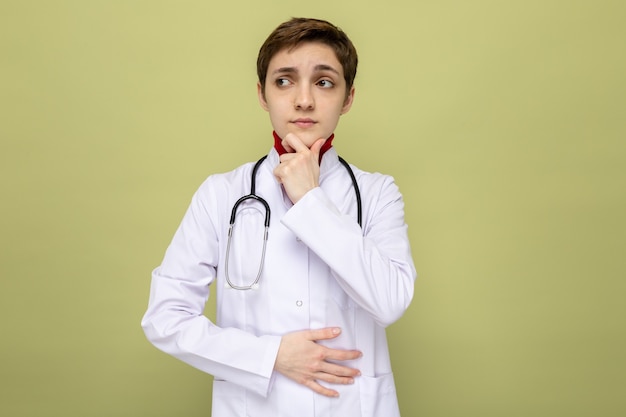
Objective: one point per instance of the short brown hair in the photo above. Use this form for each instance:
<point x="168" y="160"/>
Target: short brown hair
<point x="298" y="30"/>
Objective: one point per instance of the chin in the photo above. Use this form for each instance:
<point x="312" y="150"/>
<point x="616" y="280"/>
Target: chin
<point x="308" y="138"/>
<point x="310" y="141"/>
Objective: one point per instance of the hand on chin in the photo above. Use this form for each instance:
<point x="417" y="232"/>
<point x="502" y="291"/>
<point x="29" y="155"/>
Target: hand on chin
<point x="306" y="138"/>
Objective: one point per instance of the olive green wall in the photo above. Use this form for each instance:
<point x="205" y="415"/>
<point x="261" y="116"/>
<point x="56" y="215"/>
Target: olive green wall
<point x="503" y="123"/>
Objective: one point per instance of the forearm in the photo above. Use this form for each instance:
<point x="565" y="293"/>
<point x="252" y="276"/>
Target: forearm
<point x="175" y="324"/>
<point x="375" y="270"/>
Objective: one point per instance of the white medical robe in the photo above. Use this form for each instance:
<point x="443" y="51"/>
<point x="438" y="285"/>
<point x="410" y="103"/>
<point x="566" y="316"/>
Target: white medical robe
<point x="321" y="270"/>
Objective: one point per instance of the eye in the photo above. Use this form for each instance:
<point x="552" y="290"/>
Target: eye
<point x="326" y="83"/>
<point x="282" y="82"/>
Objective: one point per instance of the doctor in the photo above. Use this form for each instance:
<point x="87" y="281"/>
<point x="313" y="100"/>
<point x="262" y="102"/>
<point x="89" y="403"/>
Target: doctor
<point x="301" y="318"/>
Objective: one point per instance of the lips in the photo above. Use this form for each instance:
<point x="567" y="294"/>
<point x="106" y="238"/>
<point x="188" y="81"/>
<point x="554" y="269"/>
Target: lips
<point x="304" y="122"/>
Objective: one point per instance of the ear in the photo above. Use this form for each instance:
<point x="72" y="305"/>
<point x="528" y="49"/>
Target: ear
<point x="348" y="103"/>
<point x="261" y="94"/>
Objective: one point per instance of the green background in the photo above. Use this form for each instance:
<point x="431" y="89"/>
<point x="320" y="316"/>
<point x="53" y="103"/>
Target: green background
<point x="503" y="122"/>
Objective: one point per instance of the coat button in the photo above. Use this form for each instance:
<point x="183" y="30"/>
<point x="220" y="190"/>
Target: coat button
<point x="299" y="303"/>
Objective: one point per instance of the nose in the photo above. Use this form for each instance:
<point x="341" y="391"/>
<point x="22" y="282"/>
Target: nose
<point x="304" y="99"/>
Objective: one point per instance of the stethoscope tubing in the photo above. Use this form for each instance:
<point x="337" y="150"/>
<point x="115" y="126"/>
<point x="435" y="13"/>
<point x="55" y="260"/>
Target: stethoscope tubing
<point x="357" y="192"/>
<point x="268" y="212"/>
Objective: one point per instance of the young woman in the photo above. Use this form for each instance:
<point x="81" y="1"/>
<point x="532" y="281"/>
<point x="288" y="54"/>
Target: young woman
<point x="304" y="294"/>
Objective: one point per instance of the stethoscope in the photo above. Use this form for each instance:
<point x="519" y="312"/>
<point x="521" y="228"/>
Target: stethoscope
<point x="253" y="196"/>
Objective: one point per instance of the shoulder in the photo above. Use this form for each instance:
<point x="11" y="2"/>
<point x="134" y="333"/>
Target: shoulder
<point x="375" y="182"/>
<point x="227" y="179"/>
<point x="219" y="190"/>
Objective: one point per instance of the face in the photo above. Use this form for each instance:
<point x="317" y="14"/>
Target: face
<point x="305" y="92"/>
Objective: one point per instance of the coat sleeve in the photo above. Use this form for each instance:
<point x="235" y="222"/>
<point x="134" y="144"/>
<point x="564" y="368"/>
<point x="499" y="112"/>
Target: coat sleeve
<point x="374" y="265"/>
<point x="174" y="321"/>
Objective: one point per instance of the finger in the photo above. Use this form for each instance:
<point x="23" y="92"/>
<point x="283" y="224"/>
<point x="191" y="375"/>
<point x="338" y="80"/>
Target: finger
<point x="342" y="355"/>
<point x="288" y="148"/>
<point x="312" y="384"/>
<point x="287" y="157"/>
<point x="323" y="334"/>
<point x="339" y="372"/>
<point x="316" y="147"/>
<point x="294" y="143"/>
<point x="334" y="379"/>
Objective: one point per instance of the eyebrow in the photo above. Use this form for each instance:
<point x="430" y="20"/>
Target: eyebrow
<point x="293" y="70"/>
